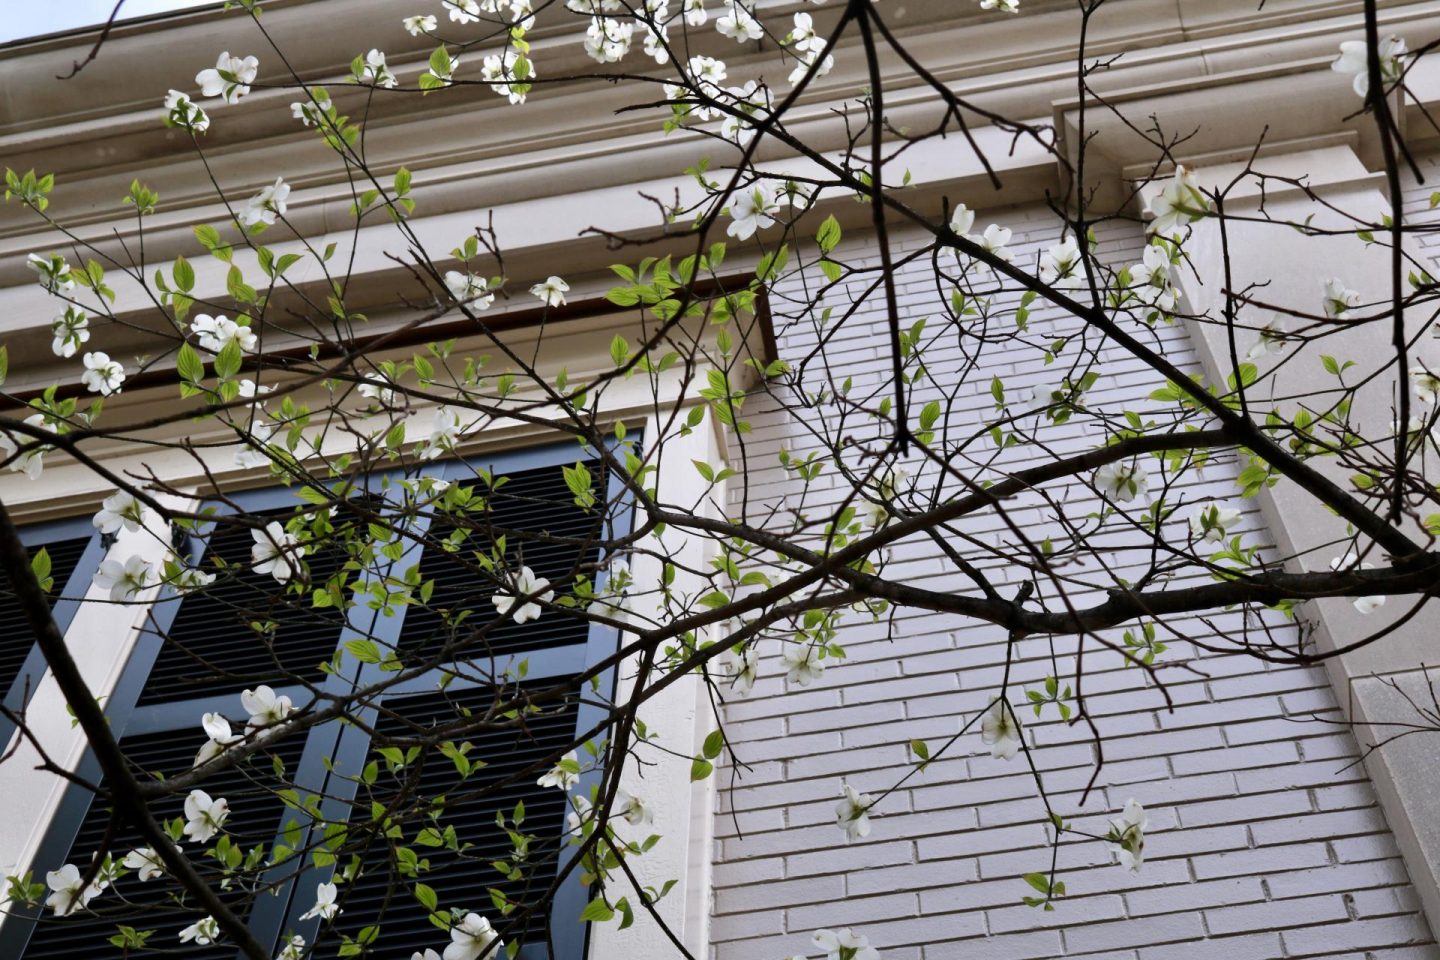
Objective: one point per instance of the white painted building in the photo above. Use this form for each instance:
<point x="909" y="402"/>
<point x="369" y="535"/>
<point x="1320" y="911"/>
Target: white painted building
<point x="1269" y="838"/>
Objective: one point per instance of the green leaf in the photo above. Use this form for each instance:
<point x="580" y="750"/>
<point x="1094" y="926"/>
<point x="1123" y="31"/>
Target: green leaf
<point x="829" y="234"/>
<point x="208" y="236"/>
<point x="713" y="744"/>
<point x="364" y="650"/>
<point x="427" y="896"/>
<point x="184" y="274"/>
<point x="597" y="910"/>
<point x="1039" y="881"/>
<point x="189" y="365"/>
<point x="619" y="350"/>
<point x="40" y="566"/>
<point x="700" y="768"/>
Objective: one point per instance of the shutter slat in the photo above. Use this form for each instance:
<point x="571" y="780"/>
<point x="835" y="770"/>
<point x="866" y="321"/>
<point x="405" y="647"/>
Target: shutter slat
<point x="535" y="503"/>
<point x="254" y="815"/>
<point x="17" y="640"/>
<point x="210" y="647"/>
<point x="460" y="881"/>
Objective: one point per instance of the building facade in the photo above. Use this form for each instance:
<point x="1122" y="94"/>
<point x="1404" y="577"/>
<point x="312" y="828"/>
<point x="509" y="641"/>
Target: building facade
<point x="1274" y="833"/>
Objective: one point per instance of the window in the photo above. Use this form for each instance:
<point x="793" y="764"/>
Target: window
<point x="75" y="552"/>
<point x="199" y="651"/>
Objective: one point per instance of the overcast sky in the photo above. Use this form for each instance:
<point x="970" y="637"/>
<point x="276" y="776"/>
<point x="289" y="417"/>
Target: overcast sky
<point x="31" y="18"/>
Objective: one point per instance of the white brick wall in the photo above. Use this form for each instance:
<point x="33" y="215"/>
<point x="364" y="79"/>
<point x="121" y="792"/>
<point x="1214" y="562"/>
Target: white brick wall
<point x="1265" y="841"/>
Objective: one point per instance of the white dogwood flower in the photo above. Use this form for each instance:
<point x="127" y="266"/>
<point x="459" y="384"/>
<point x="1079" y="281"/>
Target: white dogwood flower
<point x="1178" y="203"/>
<point x="993" y="241"/>
<point x="842" y="944"/>
<point x="551" y="291"/>
<point x="68" y="892"/>
<point x="804" y="38"/>
<point x="266" y="708"/>
<point x="312" y="112"/>
<point x="1272" y="338"/>
<point x="181" y="111"/>
<point x="120" y="509"/>
<point x="1128" y="835"/>
<point x="32" y="462"/>
<point x="146" y="862"/>
<point x="805" y="61"/>
<point x="1062" y="266"/>
<point x="422" y="23"/>
<point x="275" y="552"/>
<point x="229" y="79"/>
<point x="446" y="427"/>
<point x="266" y="205"/>
<point x="473" y="939"/>
<point x="374" y="71"/>
<point x="202" y="932"/>
<point x="462" y="11"/>
<point x="565" y="774"/>
<point x="295" y="949"/>
<point x="218" y="736"/>
<point x="190" y="579"/>
<point x="751" y="209"/>
<point x="803" y="664"/>
<point x="70" y="330"/>
<point x="607" y="40"/>
<point x="126" y="580"/>
<point x="252" y="452"/>
<point x="738" y="23"/>
<point x="1354" y="59"/>
<point x="962" y="221"/>
<point x="508" y="74"/>
<point x="378" y="388"/>
<point x="852" y="813"/>
<point x="204" y="816"/>
<point x="516" y="604"/>
<point x="51" y="272"/>
<point x="1122" y="481"/>
<point x="325" y="906"/>
<point x="1004" y="6"/>
<point x="1212" y="521"/>
<point x="1000" y="730"/>
<point x="1350" y="560"/>
<point x="744" y="671"/>
<point x="1150" y="280"/>
<point x="215" y="333"/>
<point x="102" y="375"/>
<point x="631" y="809"/>
<point x="1339" y="299"/>
<point x="1427" y="383"/>
<point x="468" y="289"/>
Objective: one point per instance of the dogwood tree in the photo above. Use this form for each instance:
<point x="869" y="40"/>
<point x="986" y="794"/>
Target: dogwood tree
<point x="307" y="396"/>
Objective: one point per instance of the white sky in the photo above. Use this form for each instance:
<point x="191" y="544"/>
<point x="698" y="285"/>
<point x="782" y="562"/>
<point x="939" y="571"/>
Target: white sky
<point x="31" y="18"/>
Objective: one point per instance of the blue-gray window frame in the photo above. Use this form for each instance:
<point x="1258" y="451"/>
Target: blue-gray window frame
<point x="69" y="596"/>
<point x="344" y="744"/>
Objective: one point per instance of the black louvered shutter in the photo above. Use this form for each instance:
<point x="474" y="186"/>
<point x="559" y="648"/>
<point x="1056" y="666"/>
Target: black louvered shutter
<point x="16" y="639"/>
<point x="255" y="815"/>
<point x="210" y="646"/>
<point x="381" y="895"/>
<point x="532" y="506"/>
